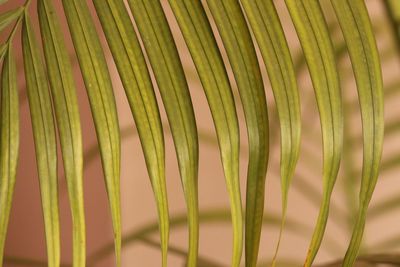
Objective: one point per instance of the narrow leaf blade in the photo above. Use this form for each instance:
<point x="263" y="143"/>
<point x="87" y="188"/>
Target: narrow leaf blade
<point x="268" y="31"/>
<point x="63" y="93"/>
<point x="319" y="53"/>
<point x="132" y="68"/>
<point x="200" y="40"/>
<point x="102" y="102"/>
<point x="168" y="70"/>
<point x="242" y="56"/>
<point x="358" y="33"/>
<point x="9" y="142"/>
<point x="44" y="137"/>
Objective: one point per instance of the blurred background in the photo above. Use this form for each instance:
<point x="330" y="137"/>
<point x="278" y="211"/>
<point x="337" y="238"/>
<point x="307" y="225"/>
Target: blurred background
<point x="25" y="243"/>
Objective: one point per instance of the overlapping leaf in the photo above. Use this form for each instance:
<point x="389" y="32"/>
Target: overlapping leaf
<point x="44" y="136"/>
<point x="237" y="40"/>
<point x="314" y="37"/>
<point x="68" y="122"/>
<point x="200" y="40"/>
<point x="9" y="141"/>
<point x="164" y="59"/>
<point x="132" y="68"/>
<point x="357" y="30"/>
<point x="101" y="97"/>
<point x="268" y="31"/>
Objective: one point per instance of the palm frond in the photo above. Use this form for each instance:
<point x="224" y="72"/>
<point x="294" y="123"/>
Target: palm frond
<point x="200" y="40"/>
<point x="141" y="41"/>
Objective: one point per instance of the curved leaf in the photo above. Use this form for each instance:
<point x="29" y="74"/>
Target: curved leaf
<point x="102" y="101"/>
<point x="132" y="68"/>
<point x="200" y="40"/>
<point x="268" y="31"/>
<point x="9" y="141"/>
<point x="68" y="121"/>
<point x="237" y="40"/>
<point x="319" y="53"/>
<point x="357" y="30"/>
<point x="168" y="70"/>
<point x="44" y="136"/>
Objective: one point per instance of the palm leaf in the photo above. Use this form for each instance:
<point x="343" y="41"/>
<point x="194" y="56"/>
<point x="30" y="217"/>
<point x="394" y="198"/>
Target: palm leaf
<point x="200" y="40"/>
<point x="238" y="43"/>
<point x="268" y="31"/>
<point x="132" y="68"/>
<point x="164" y="59"/>
<point x="68" y="122"/>
<point x="99" y="87"/>
<point x="45" y="138"/>
<point x="318" y="50"/>
<point x="357" y="30"/>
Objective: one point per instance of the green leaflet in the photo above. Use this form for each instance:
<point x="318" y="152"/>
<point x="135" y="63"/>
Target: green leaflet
<point x="237" y="40"/>
<point x="68" y="121"/>
<point x="314" y="37"/>
<point x="9" y="141"/>
<point x="7" y="17"/>
<point x="200" y="40"/>
<point x="102" y="102"/>
<point x="132" y="68"/>
<point x="268" y="31"/>
<point x="44" y="136"/>
<point x="166" y="65"/>
<point x="357" y="30"/>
